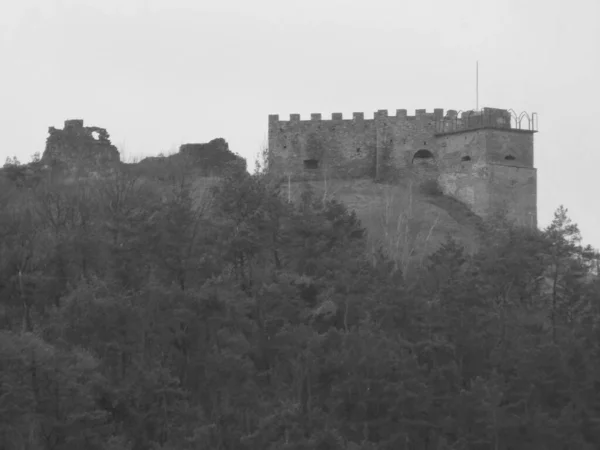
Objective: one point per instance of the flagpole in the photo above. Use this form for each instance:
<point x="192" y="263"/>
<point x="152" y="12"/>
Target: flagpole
<point x="477" y="86"/>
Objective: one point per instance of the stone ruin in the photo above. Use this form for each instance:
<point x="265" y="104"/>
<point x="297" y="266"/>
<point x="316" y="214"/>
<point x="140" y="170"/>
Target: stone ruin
<point x="76" y="147"/>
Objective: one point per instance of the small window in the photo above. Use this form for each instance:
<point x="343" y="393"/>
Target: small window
<point x="311" y="164"/>
<point x="466" y="158"/>
<point x="358" y="150"/>
<point x="509" y="157"/>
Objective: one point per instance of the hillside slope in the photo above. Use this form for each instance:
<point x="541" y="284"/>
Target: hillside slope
<point x="403" y="219"/>
<point x="406" y="222"/>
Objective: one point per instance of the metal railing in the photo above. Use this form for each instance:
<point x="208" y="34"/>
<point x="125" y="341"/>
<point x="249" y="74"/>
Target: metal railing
<point x="472" y="120"/>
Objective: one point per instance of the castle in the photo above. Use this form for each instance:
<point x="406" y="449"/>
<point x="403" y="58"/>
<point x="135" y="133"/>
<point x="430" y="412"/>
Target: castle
<point x="483" y="158"/>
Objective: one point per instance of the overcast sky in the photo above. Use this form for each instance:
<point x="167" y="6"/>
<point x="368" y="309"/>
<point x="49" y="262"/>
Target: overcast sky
<point x="157" y="74"/>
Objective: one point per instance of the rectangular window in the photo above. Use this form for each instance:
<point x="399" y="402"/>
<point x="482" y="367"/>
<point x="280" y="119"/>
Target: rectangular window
<point x="311" y="164"/>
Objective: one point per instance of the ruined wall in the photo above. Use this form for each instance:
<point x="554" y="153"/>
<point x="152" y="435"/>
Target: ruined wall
<point x="210" y="158"/>
<point x="78" y="148"/>
<point x="343" y="148"/>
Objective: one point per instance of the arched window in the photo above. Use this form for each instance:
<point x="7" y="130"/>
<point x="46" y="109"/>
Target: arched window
<point x="423" y="158"/>
<point x="509" y="157"/>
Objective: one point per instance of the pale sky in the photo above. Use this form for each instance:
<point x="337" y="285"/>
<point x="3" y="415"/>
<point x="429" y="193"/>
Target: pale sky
<point x="157" y="74"/>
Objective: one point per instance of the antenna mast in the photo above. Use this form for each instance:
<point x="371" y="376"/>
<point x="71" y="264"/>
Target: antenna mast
<point x="477" y="86"/>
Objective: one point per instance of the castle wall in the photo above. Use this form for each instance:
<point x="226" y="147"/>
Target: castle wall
<point x="469" y="183"/>
<point x="489" y="182"/>
<point x="518" y="144"/>
<point x="467" y="155"/>
<point x="352" y="148"/>
<point x="514" y="189"/>
<point x="400" y="137"/>
<point x="344" y="148"/>
<point x="454" y="147"/>
<point x="466" y="181"/>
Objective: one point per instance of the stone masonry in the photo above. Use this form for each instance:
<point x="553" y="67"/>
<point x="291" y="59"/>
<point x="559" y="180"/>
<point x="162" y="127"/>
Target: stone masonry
<point x="79" y="149"/>
<point x="482" y="158"/>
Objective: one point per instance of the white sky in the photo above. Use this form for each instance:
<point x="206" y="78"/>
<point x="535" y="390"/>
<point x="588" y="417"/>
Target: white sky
<point x="157" y="74"/>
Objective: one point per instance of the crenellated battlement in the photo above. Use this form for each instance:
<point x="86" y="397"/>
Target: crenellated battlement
<point x="452" y="119"/>
<point x="437" y="113"/>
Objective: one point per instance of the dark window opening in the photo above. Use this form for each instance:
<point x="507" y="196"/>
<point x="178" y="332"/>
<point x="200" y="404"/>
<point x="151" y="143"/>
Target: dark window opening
<point x="424" y="157"/>
<point x="311" y="164"/>
<point x="424" y="142"/>
<point x="358" y="150"/>
<point x="466" y="158"/>
<point x="423" y="154"/>
<point x="509" y="157"/>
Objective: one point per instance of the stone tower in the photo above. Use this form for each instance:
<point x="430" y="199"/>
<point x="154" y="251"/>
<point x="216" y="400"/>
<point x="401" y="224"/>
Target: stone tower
<point x="490" y="162"/>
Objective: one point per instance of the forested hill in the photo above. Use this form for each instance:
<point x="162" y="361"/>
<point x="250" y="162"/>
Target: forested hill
<point x="136" y="314"/>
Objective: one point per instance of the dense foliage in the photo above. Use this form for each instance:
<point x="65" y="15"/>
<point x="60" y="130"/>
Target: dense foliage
<point x="136" y="315"/>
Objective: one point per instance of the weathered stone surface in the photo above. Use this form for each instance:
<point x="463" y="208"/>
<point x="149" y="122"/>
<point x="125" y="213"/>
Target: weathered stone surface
<point x="476" y="156"/>
<point x="79" y="149"/>
<point x="211" y="157"/>
<point x="343" y="148"/>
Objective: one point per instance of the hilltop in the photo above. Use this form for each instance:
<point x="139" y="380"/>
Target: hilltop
<point x="408" y="219"/>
